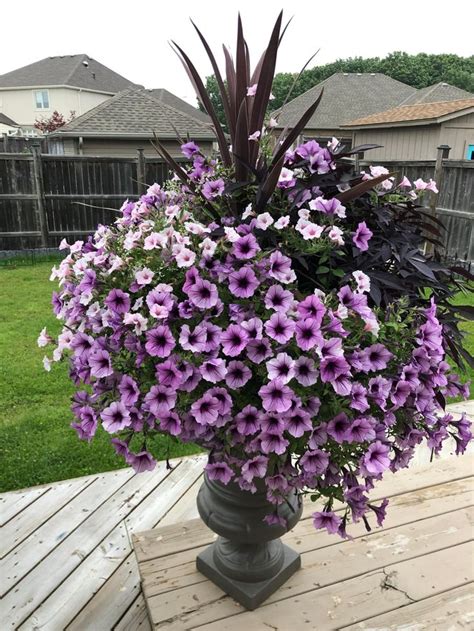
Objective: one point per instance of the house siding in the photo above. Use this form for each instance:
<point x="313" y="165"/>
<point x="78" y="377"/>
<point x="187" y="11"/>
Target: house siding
<point x="458" y="133"/>
<point x="125" y="148"/>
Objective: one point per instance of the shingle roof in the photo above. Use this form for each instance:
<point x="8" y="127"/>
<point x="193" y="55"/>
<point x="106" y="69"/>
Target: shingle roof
<point x="75" y="70"/>
<point x="418" y="112"/>
<point x="174" y="101"/>
<point x="437" y="92"/>
<point x="346" y="96"/>
<point x="135" y="112"/>
<point x="7" y="121"/>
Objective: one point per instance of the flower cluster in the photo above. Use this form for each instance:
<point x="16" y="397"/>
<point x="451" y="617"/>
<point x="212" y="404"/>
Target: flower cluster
<point x="201" y="329"/>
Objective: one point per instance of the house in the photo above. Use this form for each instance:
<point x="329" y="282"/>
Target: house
<point x="129" y="120"/>
<point x="7" y="125"/>
<point x="438" y="92"/>
<point x="413" y="132"/>
<point x="346" y="96"/>
<point x="67" y="83"/>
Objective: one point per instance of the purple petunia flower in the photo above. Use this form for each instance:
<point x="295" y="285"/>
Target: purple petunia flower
<point x="281" y="367"/>
<point x="360" y="430"/>
<point x="376" y="460"/>
<point x="247" y="421"/>
<point x="206" y="410"/>
<point x="278" y="298"/>
<point x="259" y="350"/>
<point x="87" y="426"/>
<point x="307" y="333"/>
<point x="237" y="374"/>
<point x="305" y="371"/>
<point x="213" y="336"/>
<point x="280" y="267"/>
<point x="170" y="423"/>
<point x="272" y="423"/>
<point x="219" y="471"/>
<point x="214" y="370"/>
<point x="328" y="520"/>
<point x="332" y="367"/>
<point x="379" y="511"/>
<point x="243" y="283"/>
<point x="213" y="188"/>
<point x="280" y="328"/>
<point x="328" y="206"/>
<point x="359" y="398"/>
<point x="312" y="307"/>
<point x="168" y="374"/>
<point x="255" y="468"/>
<point x="115" y="417"/>
<point x="129" y="390"/>
<point x="362" y="236"/>
<point x="298" y="423"/>
<point x="377" y="356"/>
<point x="118" y="301"/>
<point x="189" y="149"/>
<point x="245" y="247"/>
<point x="273" y="443"/>
<point x="254" y="328"/>
<point x="142" y="461"/>
<point x="315" y="461"/>
<point x="224" y="399"/>
<point x="160" y="341"/>
<point x="337" y="427"/>
<point x="203" y="294"/>
<point x="400" y="394"/>
<point x="234" y="339"/>
<point x="160" y="400"/>
<point x="99" y="362"/>
<point x="195" y="340"/>
<point x="379" y="390"/>
<point x="276" y="396"/>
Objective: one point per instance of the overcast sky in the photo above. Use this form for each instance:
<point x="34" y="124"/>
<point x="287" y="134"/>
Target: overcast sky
<point x="131" y="36"/>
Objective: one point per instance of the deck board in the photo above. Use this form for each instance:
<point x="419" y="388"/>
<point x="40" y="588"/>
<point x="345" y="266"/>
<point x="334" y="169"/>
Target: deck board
<point x="69" y="562"/>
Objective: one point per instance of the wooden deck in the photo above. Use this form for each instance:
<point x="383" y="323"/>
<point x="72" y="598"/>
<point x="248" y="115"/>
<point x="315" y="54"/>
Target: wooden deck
<point x="68" y="561"/>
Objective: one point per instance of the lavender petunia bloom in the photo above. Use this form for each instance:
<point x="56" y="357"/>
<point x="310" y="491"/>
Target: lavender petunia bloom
<point x="247" y="421"/>
<point x="195" y="340"/>
<point x="359" y="398"/>
<point x="213" y="336"/>
<point x="280" y="267"/>
<point x="129" y="390"/>
<point x="160" y="400"/>
<point x="342" y="385"/>
<point x="332" y="367"/>
<point x="168" y="374"/>
<point x="298" y="423"/>
<point x="254" y="328"/>
<point x="276" y="396"/>
<point x="142" y="461"/>
<point x="280" y="328"/>
<point x="189" y="149"/>
<point x="338" y="426"/>
<point x="219" y="471"/>
<point x="328" y="520"/>
<point x="118" y="301"/>
<point x="258" y="350"/>
<point x="121" y="447"/>
<point x="81" y="344"/>
<point x="203" y="294"/>
<point x="312" y="307"/>
<point x="400" y="394"/>
<point x="99" y="362"/>
<point x="206" y="409"/>
<point x="360" y="430"/>
<point x="272" y="423"/>
<point x="315" y="461"/>
<point x="170" y="423"/>
<point x="328" y="206"/>
<point x="255" y="468"/>
<point x="115" y="417"/>
<point x="234" y="340"/>
<point x="278" y="298"/>
<point x="213" y="188"/>
<point x="160" y="341"/>
<point x="362" y="236"/>
<point x="376" y="460"/>
<point x="245" y="247"/>
<point x="377" y="356"/>
<point x="224" y="399"/>
<point x="237" y="374"/>
<point x="379" y="390"/>
<point x="305" y="371"/>
<point x="87" y="426"/>
<point x="243" y="283"/>
<point x="379" y="511"/>
<point x="307" y="333"/>
<point x="281" y="367"/>
<point x="214" y="370"/>
<point x="273" y="443"/>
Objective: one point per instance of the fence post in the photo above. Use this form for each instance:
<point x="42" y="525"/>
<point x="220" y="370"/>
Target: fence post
<point x="141" y="171"/>
<point x="40" y="199"/>
<point x="443" y="154"/>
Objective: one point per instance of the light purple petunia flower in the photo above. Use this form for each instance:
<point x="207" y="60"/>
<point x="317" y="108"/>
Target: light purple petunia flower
<point x="118" y="301"/>
<point x="312" y="307"/>
<point x="359" y="398"/>
<point x="273" y="443"/>
<point x="248" y="421"/>
<point x="379" y="390"/>
<point x="189" y="149"/>
<point x="376" y="460"/>
<point x="362" y="236"/>
<point x="213" y="188"/>
<point x="142" y="461"/>
<point x="328" y="206"/>
<point x="254" y="328"/>
<point x="195" y="340"/>
<point x="361" y="429"/>
<point x="255" y="468"/>
<point x="219" y="472"/>
<point x="243" y="282"/>
<point x="332" y="367"/>
<point x="305" y="371"/>
<point x="337" y="427"/>
<point x="115" y="417"/>
<point x="315" y="461"/>
<point x="280" y="266"/>
<point x="214" y="370"/>
<point x="342" y="385"/>
<point x="276" y="396"/>
<point x="328" y="520"/>
<point x="99" y="362"/>
<point x="160" y="400"/>
<point x="272" y="423"/>
<point x="87" y="426"/>
<point x="259" y="350"/>
<point x="280" y="328"/>
<point x="245" y="247"/>
<point x="170" y="423"/>
<point x="81" y="344"/>
<point x="377" y="356"/>
<point x="213" y="336"/>
<point x="278" y="298"/>
<point x="168" y="374"/>
<point x="401" y="393"/>
<point x="129" y="390"/>
<point x="224" y="399"/>
<point x="237" y="374"/>
<point x="298" y="423"/>
<point x="281" y="367"/>
<point x="203" y="294"/>
<point x="234" y="340"/>
<point x="160" y="341"/>
<point x="206" y="410"/>
<point x="307" y="334"/>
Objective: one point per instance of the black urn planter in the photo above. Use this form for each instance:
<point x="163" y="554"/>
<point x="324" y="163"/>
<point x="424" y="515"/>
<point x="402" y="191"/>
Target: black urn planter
<point x="248" y="560"/>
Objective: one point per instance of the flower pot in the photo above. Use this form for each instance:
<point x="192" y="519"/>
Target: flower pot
<point x="248" y="560"/>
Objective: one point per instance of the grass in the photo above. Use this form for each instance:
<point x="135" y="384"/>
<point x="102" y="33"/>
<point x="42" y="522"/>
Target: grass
<point x="37" y="444"/>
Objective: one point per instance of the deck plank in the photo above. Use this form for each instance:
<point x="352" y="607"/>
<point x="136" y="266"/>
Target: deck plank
<point x="136" y="617"/>
<point x="453" y="610"/>
<point x="14" y="502"/>
<point x="73" y="596"/>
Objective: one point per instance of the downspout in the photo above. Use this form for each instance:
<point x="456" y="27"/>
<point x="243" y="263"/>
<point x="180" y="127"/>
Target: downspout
<point x="80" y="145"/>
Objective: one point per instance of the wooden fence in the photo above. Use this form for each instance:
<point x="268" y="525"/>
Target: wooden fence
<point x="45" y="197"/>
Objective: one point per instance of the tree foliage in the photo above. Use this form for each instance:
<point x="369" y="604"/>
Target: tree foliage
<point x="419" y="71"/>
<point x="55" y="121"/>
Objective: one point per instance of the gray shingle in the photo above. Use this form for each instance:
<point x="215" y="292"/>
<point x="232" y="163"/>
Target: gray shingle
<point x="437" y="92"/>
<point x="174" y="101"/>
<point x="346" y="96"/>
<point x="136" y="111"/>
<point x="75" y="70"/>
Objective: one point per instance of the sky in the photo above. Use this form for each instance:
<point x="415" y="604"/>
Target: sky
<point x="132" y="37"/>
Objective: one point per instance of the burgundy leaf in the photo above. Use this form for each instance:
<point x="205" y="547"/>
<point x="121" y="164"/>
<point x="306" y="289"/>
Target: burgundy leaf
<point x="359" y="189"/>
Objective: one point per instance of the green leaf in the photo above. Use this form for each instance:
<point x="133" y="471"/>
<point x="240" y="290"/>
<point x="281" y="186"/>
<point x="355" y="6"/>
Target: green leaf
<point x="322" y="269"/>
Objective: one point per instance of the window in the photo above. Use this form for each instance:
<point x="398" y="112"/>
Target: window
<point x="470" y="152"/>
<point x="42" y="100"/>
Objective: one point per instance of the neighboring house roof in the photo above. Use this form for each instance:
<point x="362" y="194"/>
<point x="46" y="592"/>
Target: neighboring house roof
<point x="135" y="113"/>
<point x="174" y="101"/>
<point x="5" y="120"/>
<point x="419" y="114"/>
<point x="80" y="71"/>
<point x="346" y="96"/>
<point x="437" y="92"/>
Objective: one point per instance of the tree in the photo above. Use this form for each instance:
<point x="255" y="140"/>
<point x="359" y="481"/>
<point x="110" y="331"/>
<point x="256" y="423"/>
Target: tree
<point x="55" y="121"/>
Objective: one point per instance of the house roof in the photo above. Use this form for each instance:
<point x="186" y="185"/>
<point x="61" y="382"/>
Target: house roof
<point x="437" y="92"/>
<point x="421" y="113"/>
<point x="136" y="113"/>
<point x="79" y="71"/>
<point x="6" y="120"/>
<point x="174" y="101"/>
<point x="346" y="96"/>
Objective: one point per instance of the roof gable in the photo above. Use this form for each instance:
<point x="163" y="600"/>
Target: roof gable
<point x="346" y="96"/>
<point x="79" y="71"/>
<point x="437" y="92"/>
<point x="163" y="95"/>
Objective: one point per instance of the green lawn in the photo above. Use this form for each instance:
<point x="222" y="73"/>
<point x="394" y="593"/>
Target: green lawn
<point x="37" y="445"/>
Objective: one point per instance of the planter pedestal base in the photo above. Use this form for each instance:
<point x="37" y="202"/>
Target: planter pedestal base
<point x="250" y="595"/>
